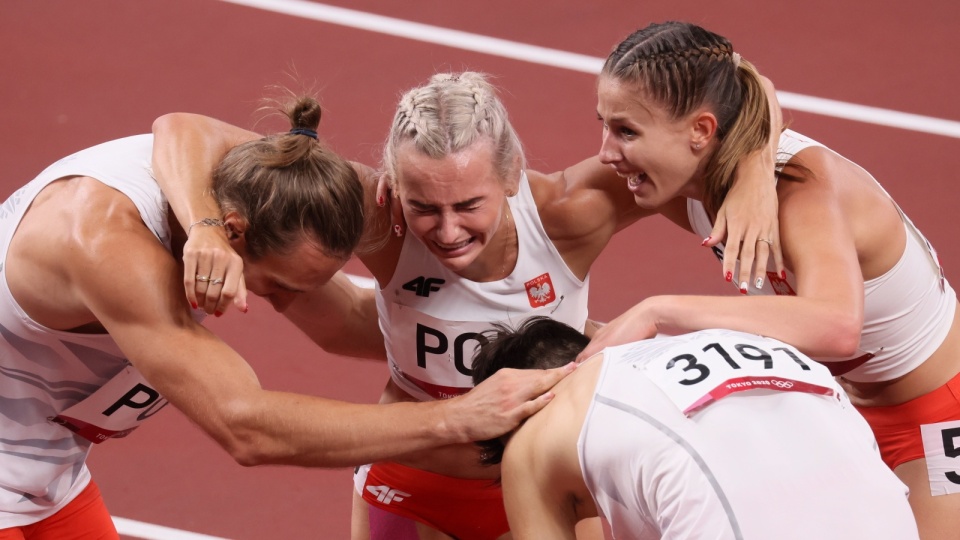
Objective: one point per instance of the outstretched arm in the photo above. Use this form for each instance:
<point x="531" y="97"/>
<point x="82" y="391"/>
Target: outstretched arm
<point x="583" y="206"/>
<point x="186" y="149"/>
<point x="136" y="294"/>
<point x="825" y="317"/>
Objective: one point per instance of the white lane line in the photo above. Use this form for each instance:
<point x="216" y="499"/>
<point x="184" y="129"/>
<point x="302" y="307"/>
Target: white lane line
<point x="576" y="62"/>
<point x="427" y="33"/>
<point x="870" y="115"/>
<point x="148" y="531"/>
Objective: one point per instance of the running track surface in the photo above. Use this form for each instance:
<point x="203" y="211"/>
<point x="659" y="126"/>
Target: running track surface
<point x="79" y="73"/>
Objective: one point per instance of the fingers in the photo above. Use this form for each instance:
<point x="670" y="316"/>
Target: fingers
<point x="533" y="406"/>
<point x="753" y="250"/>
<point x="600" y="339"/>
<point x="536" y="385"/>
<point x="718" y="232"/>
<point x="597" y="344"/>
<point x="731" y="252"/>
<point x="777" y="250"/>
<point x="501" y="402"/>
<point x="548" y="378"/>
<point x="383" y="190"/>
<point x="213" y="273"/>
<point x="240" y="300"/>
<point x="748" y="252"/>
<point x="189" y="278"/>
<point x="762" y="257"/>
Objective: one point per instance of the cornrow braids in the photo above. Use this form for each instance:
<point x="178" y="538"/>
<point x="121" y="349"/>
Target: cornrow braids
<point x="683" y="67"/>
<point x="450" y="113"/>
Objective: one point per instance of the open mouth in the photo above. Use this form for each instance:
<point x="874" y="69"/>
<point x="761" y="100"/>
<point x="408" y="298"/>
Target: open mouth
<point x="634" y="180"/>
<point x="454" y="249"/>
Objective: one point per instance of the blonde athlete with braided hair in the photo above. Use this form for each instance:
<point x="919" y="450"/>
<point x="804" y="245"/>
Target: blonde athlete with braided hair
<point x="470" y="237"/>
<point x="864" y="292"/>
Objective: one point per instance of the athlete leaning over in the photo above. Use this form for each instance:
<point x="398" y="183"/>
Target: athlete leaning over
<point x="470" y="238"/>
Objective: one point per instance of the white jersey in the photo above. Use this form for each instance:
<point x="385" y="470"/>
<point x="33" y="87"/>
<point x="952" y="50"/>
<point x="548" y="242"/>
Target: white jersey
<point x="60" y="389"/>
<point x="723" y="435"/>
<point x="907" y="312"/>
<point x="432" y="318"/>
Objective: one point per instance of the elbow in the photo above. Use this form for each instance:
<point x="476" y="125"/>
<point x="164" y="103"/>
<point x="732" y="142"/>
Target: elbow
<point x="842" y="337"/>
<point x="240" y="437"/>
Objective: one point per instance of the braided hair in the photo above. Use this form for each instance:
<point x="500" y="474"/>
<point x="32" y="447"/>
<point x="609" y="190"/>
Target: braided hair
<point x="683" y="67"/>
<point x="450" y="113"/>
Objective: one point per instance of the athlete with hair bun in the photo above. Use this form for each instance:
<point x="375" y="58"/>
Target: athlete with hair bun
<point x="469" y="237"/>
<point x="96" y="335"/>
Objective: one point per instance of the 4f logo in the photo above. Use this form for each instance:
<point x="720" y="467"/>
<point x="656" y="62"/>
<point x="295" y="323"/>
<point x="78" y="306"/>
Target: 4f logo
<point x="423" y="286"/>
<point x="386" y="494"/>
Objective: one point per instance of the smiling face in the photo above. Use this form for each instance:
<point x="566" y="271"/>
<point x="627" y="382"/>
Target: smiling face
<point x="455" y="205"/>
<point x="655" y="154"/>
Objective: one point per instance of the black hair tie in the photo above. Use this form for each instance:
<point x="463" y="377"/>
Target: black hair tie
<point x="304" y="131"/>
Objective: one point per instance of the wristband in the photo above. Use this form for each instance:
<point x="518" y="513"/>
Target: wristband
<point x="206" y="222"/>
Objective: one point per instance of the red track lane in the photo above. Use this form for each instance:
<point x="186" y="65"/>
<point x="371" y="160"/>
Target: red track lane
<point x="76" y="74"/>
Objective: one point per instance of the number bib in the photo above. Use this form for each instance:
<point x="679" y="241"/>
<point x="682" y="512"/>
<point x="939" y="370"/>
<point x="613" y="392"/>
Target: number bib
<point x="941" y="445"/>
<point x="712" y="366"/>
<point x="432" y="354"/>
<point x="114" y="410"/>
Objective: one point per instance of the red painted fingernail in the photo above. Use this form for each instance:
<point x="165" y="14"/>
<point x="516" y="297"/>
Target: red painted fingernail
<point x="783" y="274"/>
<point x="728" y="276"/>
<point x="245" y="309"/>
<point x="705" y="240"/>
<point x="380" y="201"/>
<point x="217" y="313"/>
<point x="193" y="305"/>
<point x="743" y="290"/>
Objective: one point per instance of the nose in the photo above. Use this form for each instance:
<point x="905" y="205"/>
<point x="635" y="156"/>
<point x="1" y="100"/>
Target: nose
<point x="609" y="149"/>
<point x="448" y="230"/>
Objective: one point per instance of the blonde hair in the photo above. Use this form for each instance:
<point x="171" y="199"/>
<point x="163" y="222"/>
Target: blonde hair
<point x="683" y="67"/>
<point x="450" y="113"/>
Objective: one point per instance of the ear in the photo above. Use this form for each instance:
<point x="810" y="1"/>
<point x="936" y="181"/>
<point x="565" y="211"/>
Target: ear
<point x="235" y="225"/>
<point x="703" y="129"/>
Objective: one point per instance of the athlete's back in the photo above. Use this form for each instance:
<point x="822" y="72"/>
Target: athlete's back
<point x="747" y="459"/>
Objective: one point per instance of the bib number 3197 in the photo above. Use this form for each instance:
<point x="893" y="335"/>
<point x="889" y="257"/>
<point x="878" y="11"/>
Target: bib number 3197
<point x="708" y="371"/>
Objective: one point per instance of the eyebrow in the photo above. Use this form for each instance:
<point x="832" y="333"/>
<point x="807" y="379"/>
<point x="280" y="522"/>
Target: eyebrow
<point x="461" y="204"/>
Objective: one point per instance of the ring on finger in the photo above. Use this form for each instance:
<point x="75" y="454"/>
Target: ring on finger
<point x="202" y="279"/>
<point x="765" y="240"/>
<point x="216" y="281"/>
